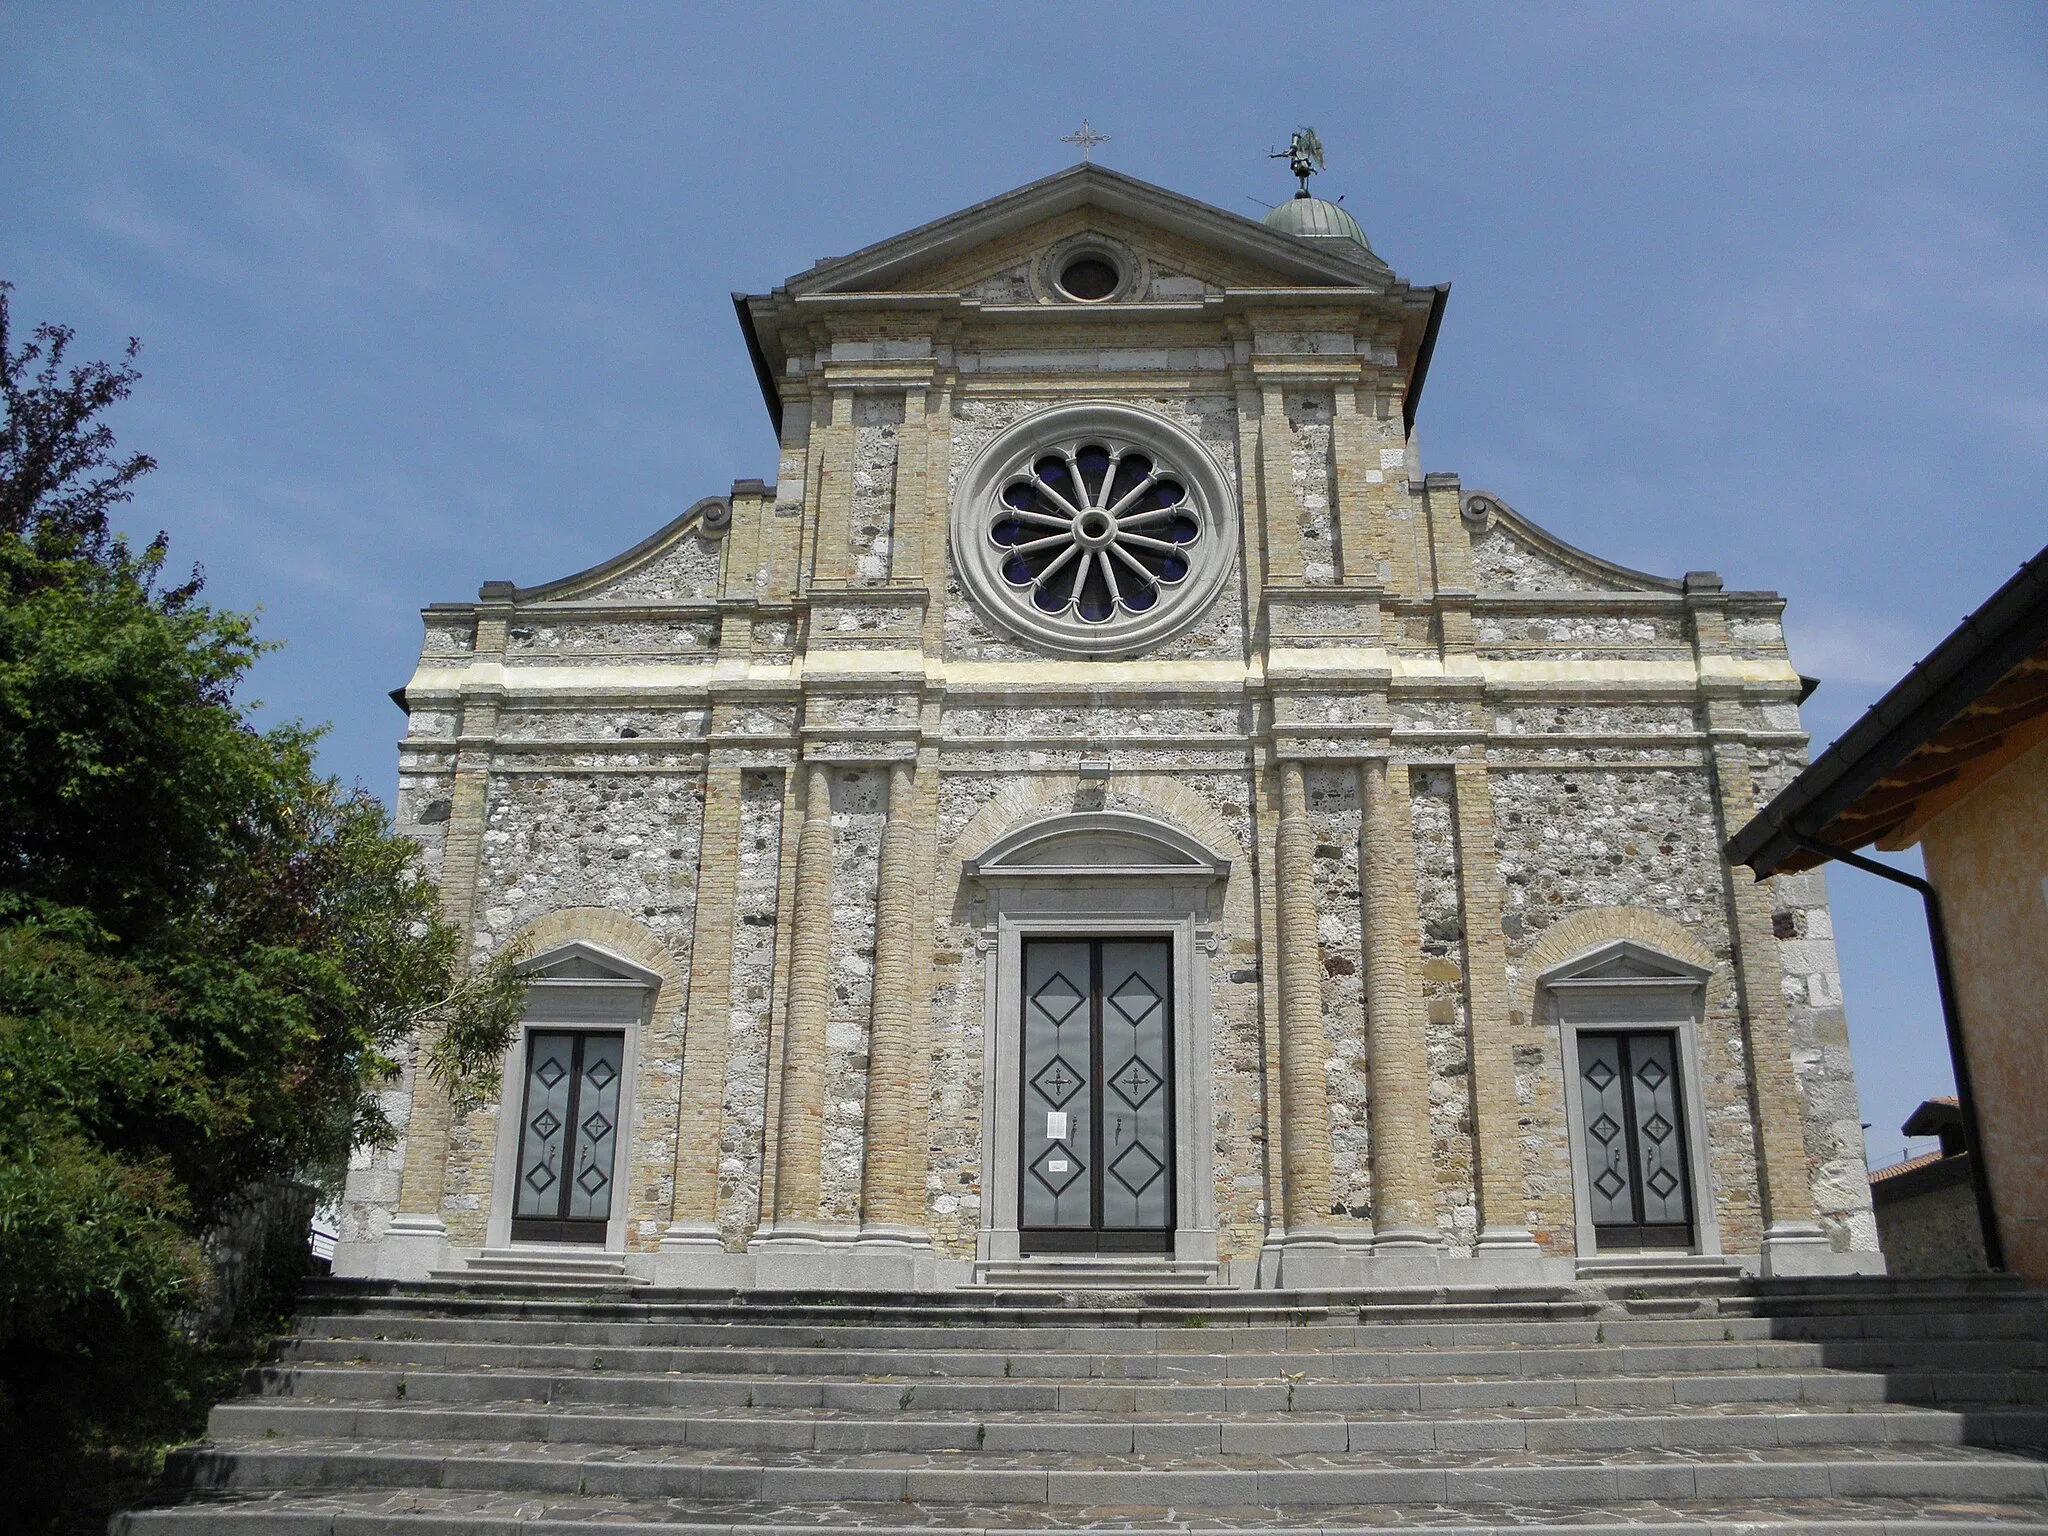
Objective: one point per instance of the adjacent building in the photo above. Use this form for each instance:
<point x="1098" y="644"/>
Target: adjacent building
<point x="1954" y="761"/>
<point x="1925" y="1208"/>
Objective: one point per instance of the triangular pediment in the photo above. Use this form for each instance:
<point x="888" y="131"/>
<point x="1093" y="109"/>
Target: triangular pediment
<point x="578" y="961"/>
<point x="1624" y="963"/>
<point x="951" y="254"/>
<point x="1002" y="270"/>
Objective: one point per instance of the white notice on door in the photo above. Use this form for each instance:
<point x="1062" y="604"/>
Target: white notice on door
<point x="1056" y="1125"/>
<point x="1055" y="1165"/>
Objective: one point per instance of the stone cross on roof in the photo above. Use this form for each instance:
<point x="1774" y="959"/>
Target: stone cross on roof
<point x="1087" y="138"/>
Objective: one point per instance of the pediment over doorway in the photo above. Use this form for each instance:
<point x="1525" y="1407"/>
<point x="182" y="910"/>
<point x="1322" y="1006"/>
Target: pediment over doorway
<point x="1625" y="963"/>
<point x="580" y="982"/>
<point x="1099" y="845"/>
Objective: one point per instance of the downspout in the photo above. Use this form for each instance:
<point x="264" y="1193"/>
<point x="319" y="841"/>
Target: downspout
<point x="1952" y="1021"/>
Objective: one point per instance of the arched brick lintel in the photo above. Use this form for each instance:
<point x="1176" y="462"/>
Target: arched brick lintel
<point x="1588" y="929"/>
<point x="626" y="937"/>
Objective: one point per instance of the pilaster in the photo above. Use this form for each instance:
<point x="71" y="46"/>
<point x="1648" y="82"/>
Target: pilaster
<point x="1304" y="1096"/>
<point x="1793" y="1242"/>
<point x="938" y="478"/>
<point x="417" y="1237"/>
<point x="693" y="1221"/>
<point x="892" y="1180"/>
<point x="782" y="538"/>
<point x="1451" y="562"/>
<point x="1357" y="563"/>
<point x="800" y="1130"/>
<point x="1495" y="1114"/>
<point x="1276" y="479"/>
<point x="907" y="521"/>
<point x="832" y="441"/>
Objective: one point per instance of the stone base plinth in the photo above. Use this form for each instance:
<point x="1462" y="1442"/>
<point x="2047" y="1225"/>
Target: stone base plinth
<point x="809" y="1258"/>
<point x="1802" y="1248"/>
<point x="412" y="1248"/>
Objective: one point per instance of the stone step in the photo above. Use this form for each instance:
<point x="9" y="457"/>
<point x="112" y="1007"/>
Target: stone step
<point x="1196" y="1336"/>
<point x="544" y="1270"/>
<point x="349" y="1512"/>
<point x="608" y="1311"/>
<point x="1021" y="1309"/>
<point x="1627" y="1402"/>
<point x="1273" y="1394"/>
<point x="1193" y="1337"/>
<point x="1853" y="1296"/>
<point x="1091" y="1272"/>
<point x="824" y="1359"/>
<point x="1090" y="1479"/>
<point x="1665" y="1282"/>
<point x="1754" y="1426"/>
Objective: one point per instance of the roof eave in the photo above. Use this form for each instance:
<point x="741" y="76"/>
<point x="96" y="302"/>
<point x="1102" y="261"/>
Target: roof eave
<point x="2010" y="626"/>
<point x="878" y="264"/>
<point x="764" y="375"/>
<point x="1411" y="399"/>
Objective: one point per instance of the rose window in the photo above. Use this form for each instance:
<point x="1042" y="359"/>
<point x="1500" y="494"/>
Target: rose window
<point x="1095" y="528"/>
<point x="1094" y="531"/>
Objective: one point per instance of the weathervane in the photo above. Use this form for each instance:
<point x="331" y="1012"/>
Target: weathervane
<point x="1087" y="138"/>
<point x="1303" y="154"/>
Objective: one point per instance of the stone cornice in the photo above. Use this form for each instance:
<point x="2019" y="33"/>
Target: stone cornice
<point x="1301" y="670"/>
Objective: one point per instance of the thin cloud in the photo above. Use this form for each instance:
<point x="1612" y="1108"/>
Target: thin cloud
<point x="334" y="208"/>
<point x="1862" y="650"/>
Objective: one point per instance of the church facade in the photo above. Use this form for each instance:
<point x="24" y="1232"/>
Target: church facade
<point x="1107" y="813"/>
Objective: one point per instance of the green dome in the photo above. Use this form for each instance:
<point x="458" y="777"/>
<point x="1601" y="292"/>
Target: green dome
<point x="1313" y="219"/>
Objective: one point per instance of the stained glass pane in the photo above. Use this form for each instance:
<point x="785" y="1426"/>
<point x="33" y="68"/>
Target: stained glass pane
<point x="1093" y="460"/>
<point x="1131" y="471"/>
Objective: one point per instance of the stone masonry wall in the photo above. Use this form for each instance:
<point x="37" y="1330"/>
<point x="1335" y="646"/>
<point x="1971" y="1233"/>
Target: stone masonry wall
<point x="1335" y="814"/>
<point x="1310" y="415"/>
<point x="860" y="808"/>
<point x="626" y="842"/>
<point x="740" y="1146"/>
<point x="687" y="568"/>
<point x="958" y="1030"/>
<point x="1615" y="837"/>
<point x="1505" y="563"/>
<point x="876" y="421"/>
<point x="1818" y="1022"/>
<point x="370" y="1195"/>
<point x="1441" y="915"/>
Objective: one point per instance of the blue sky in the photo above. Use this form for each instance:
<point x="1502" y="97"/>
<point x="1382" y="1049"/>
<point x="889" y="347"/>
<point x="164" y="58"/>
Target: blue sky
<point x="435" y="294"/>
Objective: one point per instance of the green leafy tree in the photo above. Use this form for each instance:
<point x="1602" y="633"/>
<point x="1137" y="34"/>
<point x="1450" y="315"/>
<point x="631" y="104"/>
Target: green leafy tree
<point x="212" y="957"/>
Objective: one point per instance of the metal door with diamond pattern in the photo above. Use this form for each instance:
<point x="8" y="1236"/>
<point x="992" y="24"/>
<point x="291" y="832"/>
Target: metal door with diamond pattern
<point x="1097" y="1124"/>
<point x="568" y="1137"/>
<point x="1635" y="1140"/>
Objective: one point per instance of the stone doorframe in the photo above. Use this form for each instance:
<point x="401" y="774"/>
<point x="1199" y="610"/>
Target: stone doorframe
<point x="574" y="986"/>
<point x="1623" y="984"/>
<point x="1098" y="874"/>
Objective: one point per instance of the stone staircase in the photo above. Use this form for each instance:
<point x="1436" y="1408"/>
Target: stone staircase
<point x="1646" y="1402"/>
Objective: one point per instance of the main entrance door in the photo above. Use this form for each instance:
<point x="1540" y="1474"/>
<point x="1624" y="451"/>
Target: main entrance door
<point x="1097" y="1133"/>
<point x="1635" y="1140"/>
<point x="568" y="1136"/>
